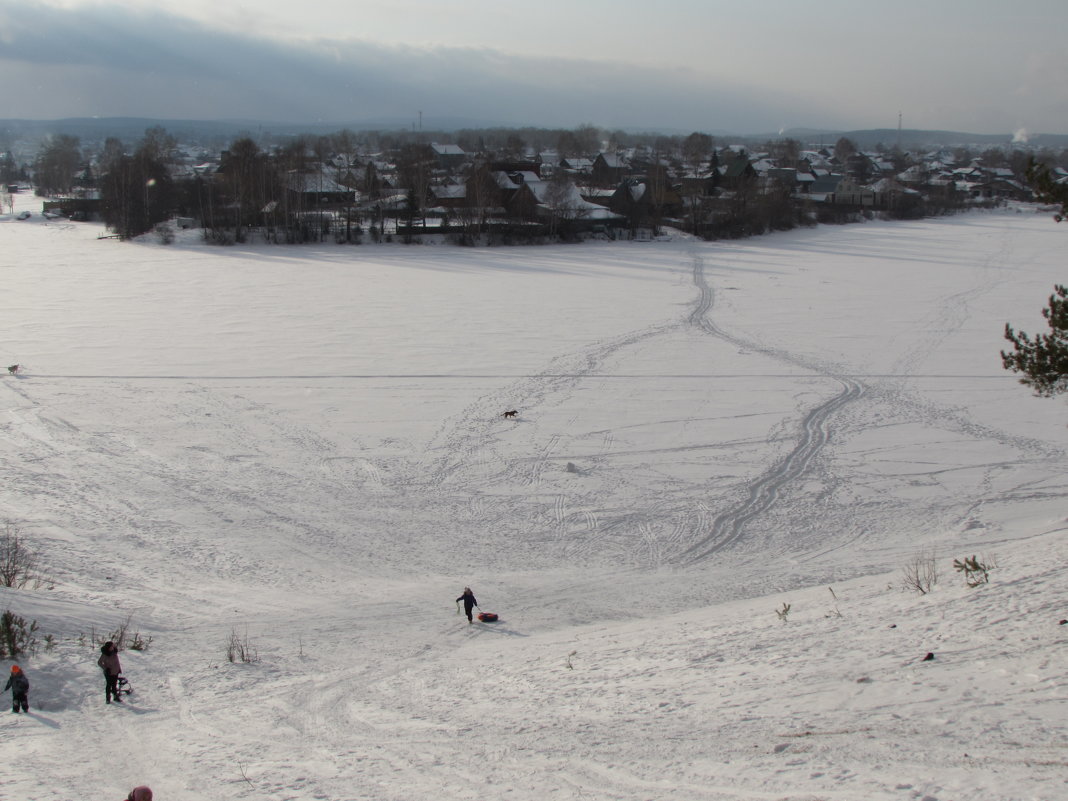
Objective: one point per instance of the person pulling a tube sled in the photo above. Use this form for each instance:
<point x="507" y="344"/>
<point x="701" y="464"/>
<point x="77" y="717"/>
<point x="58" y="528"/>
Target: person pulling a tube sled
<point x="469" y="603"/>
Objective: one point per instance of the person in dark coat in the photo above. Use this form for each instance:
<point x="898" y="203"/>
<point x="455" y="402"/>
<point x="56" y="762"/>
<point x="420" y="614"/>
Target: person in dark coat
<point x="20" y="689"/>
<point x="469" y="602"/>
<point x="109" y="663"/>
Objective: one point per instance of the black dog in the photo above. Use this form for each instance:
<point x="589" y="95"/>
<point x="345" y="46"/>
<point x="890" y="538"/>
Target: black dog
<point x="512" y="413"/>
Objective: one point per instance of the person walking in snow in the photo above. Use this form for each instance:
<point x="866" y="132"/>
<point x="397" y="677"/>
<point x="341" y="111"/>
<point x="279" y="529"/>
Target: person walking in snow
<point x="142" y="793"/>
<point x="109" y="663"/>
<point x="20" y="689"/>
<point x="469" y="602"/>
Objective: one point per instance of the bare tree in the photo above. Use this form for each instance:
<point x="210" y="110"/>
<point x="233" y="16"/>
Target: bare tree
<point x="415" y="163"/>
<point x="787" y="152"/>
<point x="514" y="145"/>
<point x="57" y="164"/>
<point x="696" y="149"/>
<point x="482" y="194"/>
<point x="137" y="192"/>
<point x="19" y="564"/>
<point x="583" y="141"/>
<point x="159" y="145"/>
<point x="920" y="574"/>
<point x="344" y="143"/>
<point x="557" y="197"/>
<point x="844" y="149"/>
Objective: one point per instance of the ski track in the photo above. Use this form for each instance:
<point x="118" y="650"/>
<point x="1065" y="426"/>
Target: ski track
<point x="729" y="526"/>
<point x="467" y="461"/>
<point x="691" y="532"/>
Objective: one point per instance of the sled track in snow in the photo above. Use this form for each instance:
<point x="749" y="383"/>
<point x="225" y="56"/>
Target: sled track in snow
<point x="728" y="527"/>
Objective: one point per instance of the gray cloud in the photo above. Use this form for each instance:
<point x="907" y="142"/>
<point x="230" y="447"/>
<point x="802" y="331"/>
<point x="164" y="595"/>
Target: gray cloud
<point x="107" y="61"/>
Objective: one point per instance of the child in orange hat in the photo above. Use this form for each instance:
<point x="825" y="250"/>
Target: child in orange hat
<point x="20" y="688"/>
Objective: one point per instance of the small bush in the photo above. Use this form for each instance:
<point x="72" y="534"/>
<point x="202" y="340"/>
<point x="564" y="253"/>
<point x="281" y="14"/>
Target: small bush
<point x="920" y="574"/>
<point x="239" y="649"/>
<point x="122" y="636"/>
<point x="975" y="572"/>
<point x="139" y="643"/>
<point x="16" y="637"/>
<point x="118" y="636"/>
<point x="218" y="236"/>
<point x="165" y="234"/>
<point x="784" y="612"/>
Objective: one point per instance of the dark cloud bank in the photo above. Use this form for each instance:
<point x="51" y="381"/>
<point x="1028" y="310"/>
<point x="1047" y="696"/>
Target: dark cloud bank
<point x="105" y="61"/>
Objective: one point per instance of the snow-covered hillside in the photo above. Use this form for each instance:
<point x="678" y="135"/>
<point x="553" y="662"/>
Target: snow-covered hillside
<point x="304" y="447"/>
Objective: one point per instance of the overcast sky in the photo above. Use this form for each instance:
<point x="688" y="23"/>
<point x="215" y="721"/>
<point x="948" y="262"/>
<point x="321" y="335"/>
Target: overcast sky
<point x="748" y="66"/>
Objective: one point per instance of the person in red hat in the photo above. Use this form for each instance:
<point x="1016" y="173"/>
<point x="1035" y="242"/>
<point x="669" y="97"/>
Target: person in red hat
<point x="20" y="689"/>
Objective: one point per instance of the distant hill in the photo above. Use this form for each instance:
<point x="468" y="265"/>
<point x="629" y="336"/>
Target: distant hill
<point x="911" y="138"/>
<point x="133" y="128"/>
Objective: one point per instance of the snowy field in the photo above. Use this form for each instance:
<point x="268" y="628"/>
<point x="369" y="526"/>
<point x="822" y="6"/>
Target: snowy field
<point x="304" y="447"/>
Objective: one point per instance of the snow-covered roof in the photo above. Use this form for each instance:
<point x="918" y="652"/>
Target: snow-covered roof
<point x="448" y="150"/>
<point x="455" y="192"/>
<point x="571" y="206"/>
<point x="579" y="164"/>
<point x="316" y="182"/>
<point x="503" y="180"/>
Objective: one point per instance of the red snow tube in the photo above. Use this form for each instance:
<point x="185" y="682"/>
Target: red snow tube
<point x="487" y="617"/>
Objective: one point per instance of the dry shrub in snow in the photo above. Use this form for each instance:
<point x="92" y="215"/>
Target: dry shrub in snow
<point x="239" y="649"/>
<point x="19" y="565"/>
<point x="920" y="574"/>
<point x="164" y="233"/>
<point x="122" y="637"/>
<point x="976" y="571"/>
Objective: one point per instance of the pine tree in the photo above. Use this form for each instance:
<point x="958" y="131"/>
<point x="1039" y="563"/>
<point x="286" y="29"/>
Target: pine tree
<point x="1043" y="359"/>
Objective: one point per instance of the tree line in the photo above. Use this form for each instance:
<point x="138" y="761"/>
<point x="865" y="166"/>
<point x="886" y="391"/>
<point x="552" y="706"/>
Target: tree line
<point x="279" y="185"/>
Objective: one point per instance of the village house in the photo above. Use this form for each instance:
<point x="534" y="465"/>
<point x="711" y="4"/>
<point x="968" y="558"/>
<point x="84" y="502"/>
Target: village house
<point x="736" y="170"/>
<point x="449" y="157"/>
<point x="607" y="170"/>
